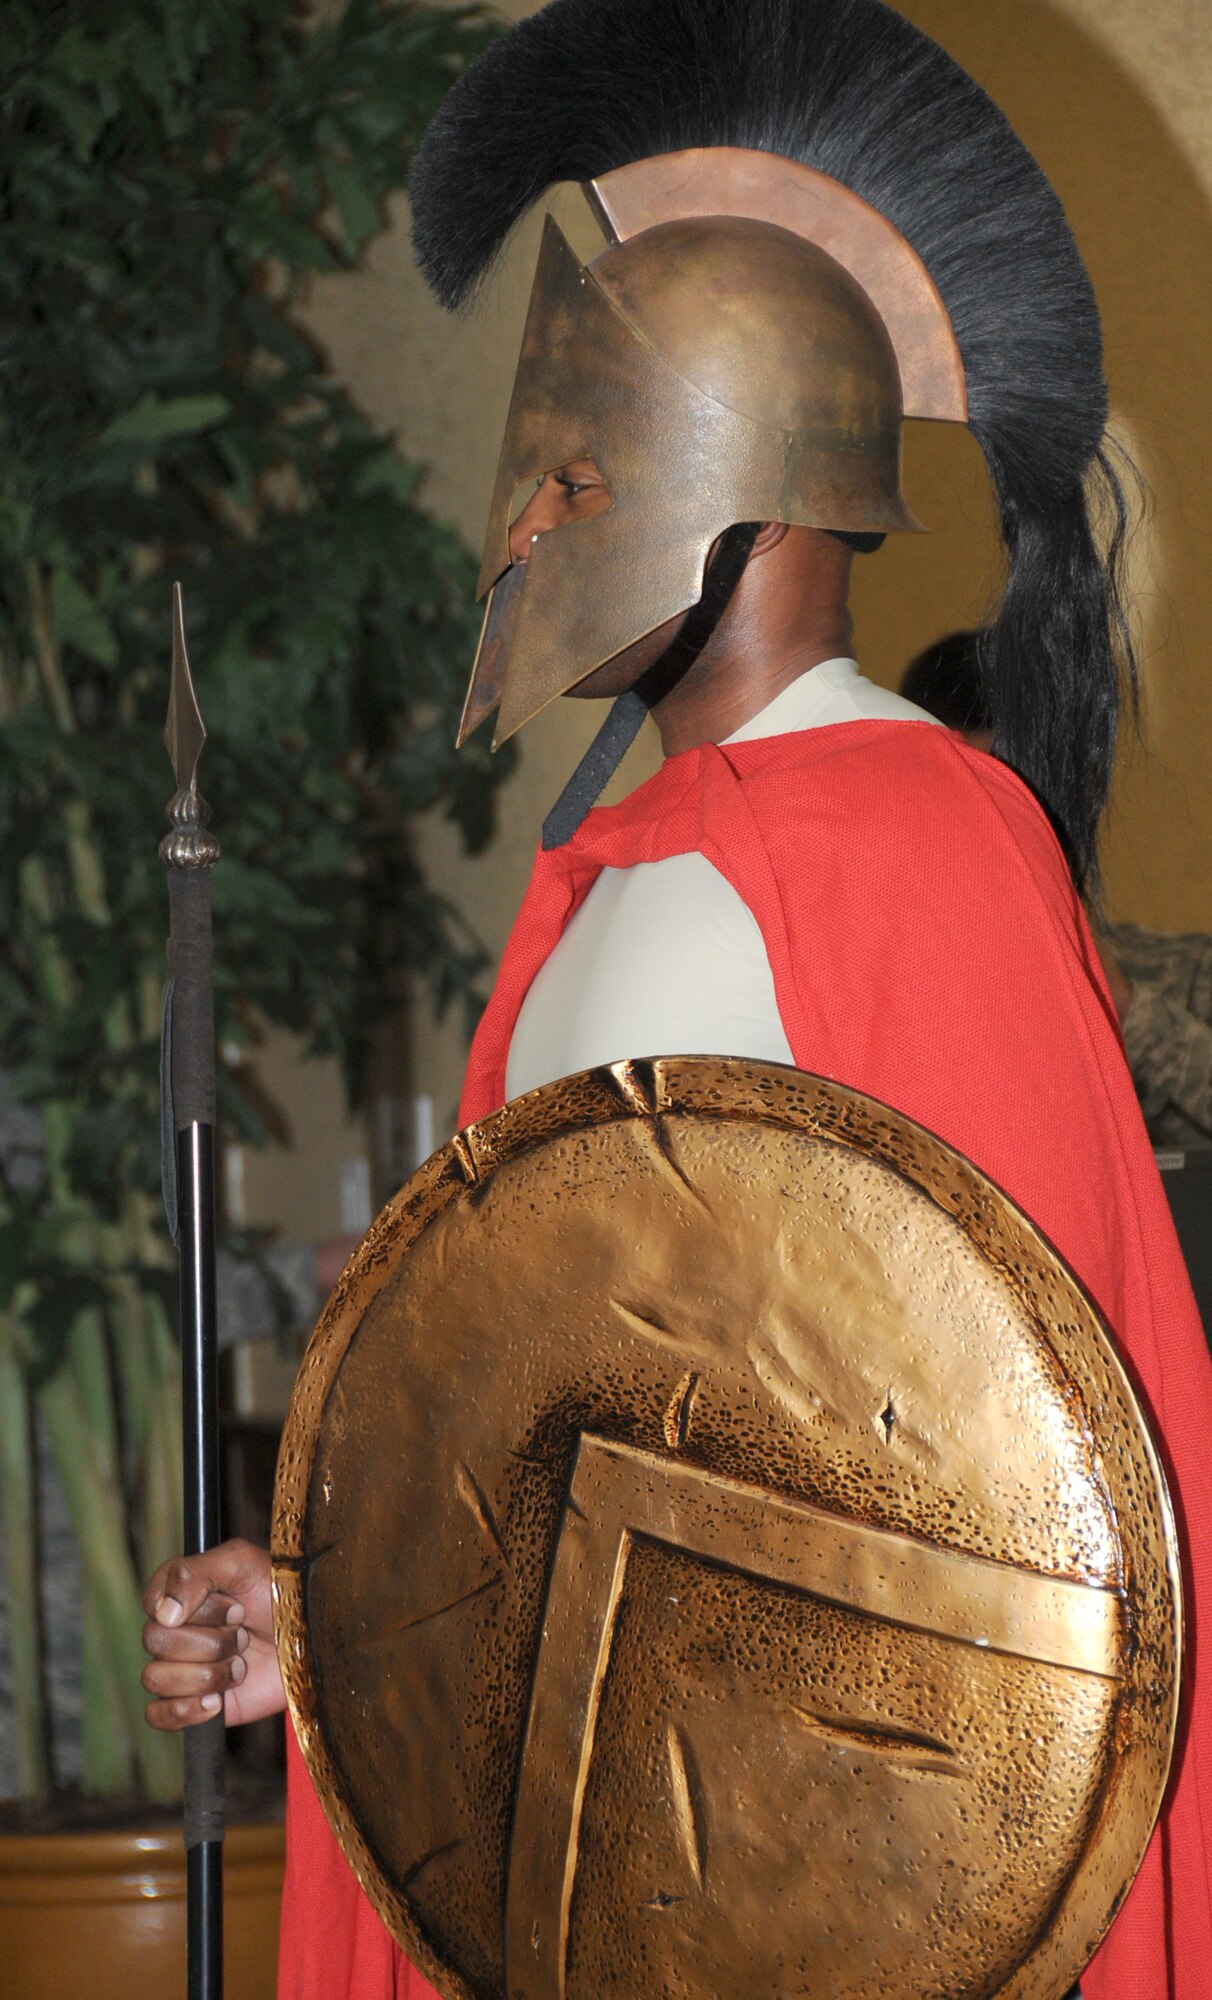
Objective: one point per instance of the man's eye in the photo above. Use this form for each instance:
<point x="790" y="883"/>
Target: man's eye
<point x="571" y="486"/>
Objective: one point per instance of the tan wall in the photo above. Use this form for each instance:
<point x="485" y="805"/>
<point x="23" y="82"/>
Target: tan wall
<point x="1112" y="95"/>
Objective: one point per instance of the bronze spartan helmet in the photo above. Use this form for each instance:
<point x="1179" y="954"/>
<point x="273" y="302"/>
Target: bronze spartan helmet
<point x="840" y="123"/>
<point x="746" y="350"/>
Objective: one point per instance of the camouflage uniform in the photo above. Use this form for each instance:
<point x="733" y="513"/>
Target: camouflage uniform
<point x="1168" y="1030"/>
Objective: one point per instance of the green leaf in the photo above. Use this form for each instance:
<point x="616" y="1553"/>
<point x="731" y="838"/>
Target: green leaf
<point x="83" y="118"/>
<point x="84" y="60"/>
<point x="154" y="418"/>
<point x="13" y="1249"/>
<point x="62" y="1297"/>
<point x="388" y="473"/>
<point x="261" y="225"/>
<point x="355" y="202"/>
<point x="78" y="620"/>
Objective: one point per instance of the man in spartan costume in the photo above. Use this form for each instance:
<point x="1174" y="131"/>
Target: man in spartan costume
<point x="821" y="225"/>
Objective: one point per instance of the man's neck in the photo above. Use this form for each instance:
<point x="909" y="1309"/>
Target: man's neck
<point x="710" y="709"/>
<point x="789" y="613"/>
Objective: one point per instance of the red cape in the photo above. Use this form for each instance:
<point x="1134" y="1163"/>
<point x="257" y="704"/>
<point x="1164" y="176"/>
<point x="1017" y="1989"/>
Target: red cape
<point x="929" y="949"/>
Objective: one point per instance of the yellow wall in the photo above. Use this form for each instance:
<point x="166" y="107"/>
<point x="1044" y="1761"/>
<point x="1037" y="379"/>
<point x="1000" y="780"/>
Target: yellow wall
<point x="1112" y="95"/>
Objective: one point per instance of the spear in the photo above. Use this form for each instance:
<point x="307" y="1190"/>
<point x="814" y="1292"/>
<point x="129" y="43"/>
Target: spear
<point x="187" y="1097"/>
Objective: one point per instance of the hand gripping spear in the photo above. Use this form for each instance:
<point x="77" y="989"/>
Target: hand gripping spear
<point x="187" y="1098"/>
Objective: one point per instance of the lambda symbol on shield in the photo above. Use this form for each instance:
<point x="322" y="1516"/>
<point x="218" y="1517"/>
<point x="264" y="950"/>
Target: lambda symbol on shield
<point x="718" y="1553"/>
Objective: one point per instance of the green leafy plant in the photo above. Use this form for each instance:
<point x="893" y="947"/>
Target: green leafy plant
<point x="171" y="170"/>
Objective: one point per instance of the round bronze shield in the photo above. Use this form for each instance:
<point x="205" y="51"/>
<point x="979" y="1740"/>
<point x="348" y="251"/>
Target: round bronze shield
<point x="718" y="1553"/>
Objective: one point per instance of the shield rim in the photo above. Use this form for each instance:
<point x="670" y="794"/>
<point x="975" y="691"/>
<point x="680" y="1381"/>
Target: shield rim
<point x="736" y="1089"/>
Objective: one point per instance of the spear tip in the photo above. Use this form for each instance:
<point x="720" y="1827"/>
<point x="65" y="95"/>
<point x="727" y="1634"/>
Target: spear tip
<point x="184" y="732"/>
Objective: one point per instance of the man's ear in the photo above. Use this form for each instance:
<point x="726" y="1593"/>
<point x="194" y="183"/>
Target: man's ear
<point x="769" y="535"/>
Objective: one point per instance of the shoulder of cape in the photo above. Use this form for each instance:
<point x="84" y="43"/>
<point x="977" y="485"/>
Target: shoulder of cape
<point x="914" y="786"/>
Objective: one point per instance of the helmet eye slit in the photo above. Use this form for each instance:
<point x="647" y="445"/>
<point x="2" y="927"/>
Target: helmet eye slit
<point x="559" y="497"/>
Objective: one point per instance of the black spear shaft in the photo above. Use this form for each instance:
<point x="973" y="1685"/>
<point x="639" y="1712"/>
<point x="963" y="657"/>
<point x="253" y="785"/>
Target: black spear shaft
<point x="189" y="852"/>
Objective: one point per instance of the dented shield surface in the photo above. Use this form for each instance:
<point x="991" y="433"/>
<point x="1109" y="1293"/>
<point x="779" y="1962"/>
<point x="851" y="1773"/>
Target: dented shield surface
<point x="718" y="1552"/>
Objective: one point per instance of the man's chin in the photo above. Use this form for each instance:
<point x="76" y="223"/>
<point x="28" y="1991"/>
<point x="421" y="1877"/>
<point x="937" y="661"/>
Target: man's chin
<point x="621" y="673"/>
<point x="605" y="682"/>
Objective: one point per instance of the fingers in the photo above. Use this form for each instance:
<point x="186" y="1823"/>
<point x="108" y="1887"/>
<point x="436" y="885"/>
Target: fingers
<point x="245" y="1686"/>
<point x="186" y="1691"/>
<point x="209" y="1620"/>
<point x="171" y="1715"/>
<point x="237" y="1571"/>
<point x="184" y="1712"/>
<point x="195" y="1644"/>
<point x="188" y="1590"/>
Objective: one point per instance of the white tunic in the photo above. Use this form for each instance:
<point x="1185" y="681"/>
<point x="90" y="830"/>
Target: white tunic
<point x="664" y="958"/>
